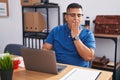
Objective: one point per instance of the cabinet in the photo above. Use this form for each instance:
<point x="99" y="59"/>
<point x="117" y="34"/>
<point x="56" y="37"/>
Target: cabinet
<point x="36" y="39"/>
<point x="116" y="68"/>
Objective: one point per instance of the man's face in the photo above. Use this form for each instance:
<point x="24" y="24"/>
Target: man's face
<point x="74" y="16"/>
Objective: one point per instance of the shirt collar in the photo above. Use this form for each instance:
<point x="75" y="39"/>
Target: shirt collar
<point x="67" y="28"/>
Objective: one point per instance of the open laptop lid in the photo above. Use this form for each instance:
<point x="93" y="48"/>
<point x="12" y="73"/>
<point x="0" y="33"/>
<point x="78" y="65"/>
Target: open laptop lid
<point x="39" y="60"/>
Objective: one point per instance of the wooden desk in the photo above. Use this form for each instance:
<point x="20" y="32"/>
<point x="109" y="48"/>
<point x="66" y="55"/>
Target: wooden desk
<point x="22" y="74"/>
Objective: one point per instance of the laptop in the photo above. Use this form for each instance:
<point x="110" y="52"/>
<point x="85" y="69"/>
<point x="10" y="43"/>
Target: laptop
<point x="41" y="60"/>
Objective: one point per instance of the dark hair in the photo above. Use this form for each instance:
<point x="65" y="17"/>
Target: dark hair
<point x="74" y="5"/>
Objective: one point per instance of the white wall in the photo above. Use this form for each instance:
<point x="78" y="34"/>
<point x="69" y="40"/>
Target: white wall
<point x="11" y="27"/>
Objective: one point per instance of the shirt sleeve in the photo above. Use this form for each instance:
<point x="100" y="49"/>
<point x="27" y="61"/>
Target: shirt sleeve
<point x="50" y="37"/>
<point x="91" y="43"/>
<point x="89" y="40"/>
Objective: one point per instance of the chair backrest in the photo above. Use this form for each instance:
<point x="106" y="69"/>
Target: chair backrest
<point x="14" y="49"/>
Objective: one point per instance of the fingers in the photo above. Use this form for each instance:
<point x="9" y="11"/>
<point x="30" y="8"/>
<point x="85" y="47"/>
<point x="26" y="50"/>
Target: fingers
<point x="75" y="31"/>
<point x="75" y="24"/>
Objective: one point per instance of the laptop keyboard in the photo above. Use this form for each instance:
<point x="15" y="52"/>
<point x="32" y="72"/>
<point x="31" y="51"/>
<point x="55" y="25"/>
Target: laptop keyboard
<point x="60" y="67"/>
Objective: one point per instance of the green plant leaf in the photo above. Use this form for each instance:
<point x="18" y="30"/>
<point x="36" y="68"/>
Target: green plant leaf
<point x="6" y="63"/>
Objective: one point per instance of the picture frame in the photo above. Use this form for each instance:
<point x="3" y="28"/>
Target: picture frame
<point x="4" y="8"/>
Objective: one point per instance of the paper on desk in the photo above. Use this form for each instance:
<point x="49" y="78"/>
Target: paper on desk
<point x="81" y="74"/>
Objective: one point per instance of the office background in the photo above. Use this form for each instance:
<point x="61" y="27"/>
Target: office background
<point x="11" y="26"/>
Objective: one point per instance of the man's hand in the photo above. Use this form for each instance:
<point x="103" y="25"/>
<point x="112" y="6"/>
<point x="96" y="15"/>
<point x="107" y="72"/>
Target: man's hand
<point x="75" y="30"/>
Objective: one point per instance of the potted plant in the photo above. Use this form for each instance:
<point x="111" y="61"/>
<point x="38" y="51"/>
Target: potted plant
<point x="6" y="67"/>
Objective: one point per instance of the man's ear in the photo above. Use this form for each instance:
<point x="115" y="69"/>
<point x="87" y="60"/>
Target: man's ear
<point x="66" y="17"/>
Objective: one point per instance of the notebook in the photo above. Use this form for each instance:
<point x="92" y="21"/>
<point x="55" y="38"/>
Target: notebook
<point x="41" y="60"/>
<point x="83" y="74"/>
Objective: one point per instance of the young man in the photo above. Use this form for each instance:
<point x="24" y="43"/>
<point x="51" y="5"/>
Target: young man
<point x="72" y="43"/>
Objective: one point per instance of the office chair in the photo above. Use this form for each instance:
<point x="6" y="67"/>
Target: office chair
<point x="14" y="49"/>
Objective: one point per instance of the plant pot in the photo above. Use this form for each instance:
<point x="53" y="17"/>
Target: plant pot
<point x="6" y="75"/>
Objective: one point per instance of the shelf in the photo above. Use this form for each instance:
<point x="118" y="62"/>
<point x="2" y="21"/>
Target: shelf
<point x="36" y="39"/>
<point x="38" y="35"/>
<point x="105" y="67"/>
<point x="115" y="39"/>
<point x="106" y="36"/>
<point x="42" y="6"/>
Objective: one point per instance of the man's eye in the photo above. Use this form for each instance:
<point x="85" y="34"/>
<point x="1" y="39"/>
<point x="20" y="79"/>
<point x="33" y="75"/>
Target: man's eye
<point x="79" y="15"/>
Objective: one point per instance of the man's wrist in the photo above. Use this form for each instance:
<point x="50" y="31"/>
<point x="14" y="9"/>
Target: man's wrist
<point x="75" y="38"/>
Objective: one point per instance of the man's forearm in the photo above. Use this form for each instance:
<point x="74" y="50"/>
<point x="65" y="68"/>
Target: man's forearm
<point x="86" y="53"/>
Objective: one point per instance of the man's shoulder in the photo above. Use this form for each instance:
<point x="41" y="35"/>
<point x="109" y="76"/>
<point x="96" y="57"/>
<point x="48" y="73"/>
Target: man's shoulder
<point x="59" y="27"/>
<point x="87" y="31"/>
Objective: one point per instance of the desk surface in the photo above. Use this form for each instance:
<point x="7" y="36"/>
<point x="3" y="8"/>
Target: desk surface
<point x="22" y="74"/>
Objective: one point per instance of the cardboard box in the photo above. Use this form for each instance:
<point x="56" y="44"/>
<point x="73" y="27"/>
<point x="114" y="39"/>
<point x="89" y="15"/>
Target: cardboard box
<point x="34" y="22"/>
<point x="30" y="2"/>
